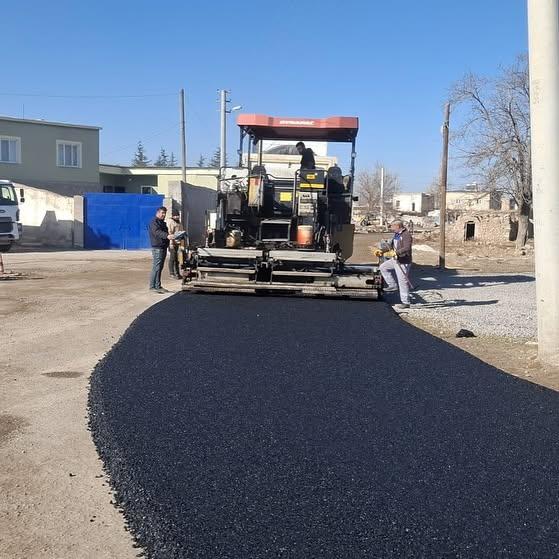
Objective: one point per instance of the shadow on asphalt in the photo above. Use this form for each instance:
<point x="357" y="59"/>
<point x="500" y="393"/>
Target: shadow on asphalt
<point x="431" y="277"/>
<point x="449" y="303"/>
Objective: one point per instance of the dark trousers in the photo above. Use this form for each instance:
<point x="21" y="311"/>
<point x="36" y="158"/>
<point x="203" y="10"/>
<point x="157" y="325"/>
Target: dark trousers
<point x="174" y="261"/>
<point x="157" y="266"/>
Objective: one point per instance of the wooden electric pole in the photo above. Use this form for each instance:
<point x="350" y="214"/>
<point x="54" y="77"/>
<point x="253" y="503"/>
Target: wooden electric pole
<point x="183" y="135"/>
<point x="442" y="189"/>
<point x="382" y="197"/>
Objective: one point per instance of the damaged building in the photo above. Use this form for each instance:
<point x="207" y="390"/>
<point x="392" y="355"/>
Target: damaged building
<point x="487" y="226"/>
<point x="481" y="216"/>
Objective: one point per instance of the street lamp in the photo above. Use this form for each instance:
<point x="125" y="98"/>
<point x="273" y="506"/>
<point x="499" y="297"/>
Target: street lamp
<point x="224" y="111"/>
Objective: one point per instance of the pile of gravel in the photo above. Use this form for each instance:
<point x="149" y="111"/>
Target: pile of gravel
<point x="487" y="304"/>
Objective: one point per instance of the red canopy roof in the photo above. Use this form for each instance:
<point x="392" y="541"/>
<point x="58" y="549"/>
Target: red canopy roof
<point x="331" y="129"/>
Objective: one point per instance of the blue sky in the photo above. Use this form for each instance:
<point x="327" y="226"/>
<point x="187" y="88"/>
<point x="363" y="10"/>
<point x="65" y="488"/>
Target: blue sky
<point x="390" y="63"/>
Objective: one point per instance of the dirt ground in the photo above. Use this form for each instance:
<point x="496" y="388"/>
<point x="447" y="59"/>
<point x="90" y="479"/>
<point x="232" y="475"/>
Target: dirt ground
<point x="471" y="257"/>
<point x="58" y="321"/>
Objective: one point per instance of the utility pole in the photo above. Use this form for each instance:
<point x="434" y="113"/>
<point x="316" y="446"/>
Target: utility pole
<point x="223" y="143"/>
<point x="543" y="32"/>
<point x="382" y="196"/>
<point x="183" y="136"/>
<point x="442" y="189"/>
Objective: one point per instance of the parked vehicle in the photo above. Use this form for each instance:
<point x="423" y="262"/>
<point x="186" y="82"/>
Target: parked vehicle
<point x="11" y="229"/>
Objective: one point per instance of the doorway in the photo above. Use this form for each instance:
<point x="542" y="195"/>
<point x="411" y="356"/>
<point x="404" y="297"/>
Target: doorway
<point x="470" y="231"/>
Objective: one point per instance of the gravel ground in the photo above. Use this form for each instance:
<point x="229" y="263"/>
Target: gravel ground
<point x="488" y="305"/>
<point x="265" y="427"/>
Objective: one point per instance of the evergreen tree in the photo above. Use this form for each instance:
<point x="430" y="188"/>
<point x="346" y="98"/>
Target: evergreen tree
<point x="214" y="161"/>
<point x="172" y="160"/>
<point x="163" y="159"/>
<point x="140" y="157"/>
<point x="201" y="161"/>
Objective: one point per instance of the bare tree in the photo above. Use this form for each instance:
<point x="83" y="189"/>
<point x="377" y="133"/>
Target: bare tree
<point x="434" y="189"/>
<point x="494" y="140"/>
<point x="368" y="188"/>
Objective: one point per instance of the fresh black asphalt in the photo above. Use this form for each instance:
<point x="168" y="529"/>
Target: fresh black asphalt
<point x="249" y="427"/>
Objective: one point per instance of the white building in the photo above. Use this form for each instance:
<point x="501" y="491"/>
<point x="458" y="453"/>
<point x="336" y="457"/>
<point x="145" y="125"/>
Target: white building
<point x="413" y="203"/>
<point x="476" y="200"/>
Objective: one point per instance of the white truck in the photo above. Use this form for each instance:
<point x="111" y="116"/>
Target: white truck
<point x="11" y="229"/>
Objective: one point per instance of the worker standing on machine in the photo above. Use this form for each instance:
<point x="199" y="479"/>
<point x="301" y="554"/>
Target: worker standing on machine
<point x="398" y="263"/>
<point x="307" y="156"/>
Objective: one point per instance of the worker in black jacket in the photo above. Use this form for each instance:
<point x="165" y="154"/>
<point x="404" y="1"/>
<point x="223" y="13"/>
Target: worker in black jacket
<point x="159" y="238"/>
<point x="307" y="156"/>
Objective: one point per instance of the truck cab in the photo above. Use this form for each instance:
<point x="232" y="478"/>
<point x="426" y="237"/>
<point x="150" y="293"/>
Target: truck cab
<point x="11" y="229"/>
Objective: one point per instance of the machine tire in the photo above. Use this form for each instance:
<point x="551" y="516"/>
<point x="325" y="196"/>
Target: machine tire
<point x="6" y="248"/>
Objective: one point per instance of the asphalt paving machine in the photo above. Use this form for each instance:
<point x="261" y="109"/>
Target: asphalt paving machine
<point x="284" y="234"/>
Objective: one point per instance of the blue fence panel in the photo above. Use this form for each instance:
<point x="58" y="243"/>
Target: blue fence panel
<point x="118" y="220"/>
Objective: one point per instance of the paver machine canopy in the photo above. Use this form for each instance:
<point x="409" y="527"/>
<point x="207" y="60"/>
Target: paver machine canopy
<point x="310" y="209"/>
<point x="285" y="232"/>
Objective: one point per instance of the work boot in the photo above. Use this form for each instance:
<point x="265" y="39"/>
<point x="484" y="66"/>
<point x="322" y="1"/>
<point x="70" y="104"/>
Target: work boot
<point x="390" y="289"/>
<point x="162" y="290"/>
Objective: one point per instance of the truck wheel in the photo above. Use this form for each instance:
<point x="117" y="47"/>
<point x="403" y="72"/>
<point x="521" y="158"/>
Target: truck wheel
<point x="5" y="248"/>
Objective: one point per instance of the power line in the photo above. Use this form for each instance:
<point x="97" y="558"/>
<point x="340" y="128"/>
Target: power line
<point x="144" y="138"/>
<point x="53" y="96"/>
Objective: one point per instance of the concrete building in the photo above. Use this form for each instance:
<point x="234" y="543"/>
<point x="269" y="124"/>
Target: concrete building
<point x="477" y="200"/>
<point x="62" y="158"/>
<point x="418" y="203"/>
<point x="153" y="180"/>
<point x="55" y="162"/>
<point x="282" y="165"/>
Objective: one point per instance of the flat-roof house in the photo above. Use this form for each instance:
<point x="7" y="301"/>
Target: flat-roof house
<point x="64" y="159"/>
<point x="60" y="157"/>
<point x="55" y="162"/>
<point x="413" y="203"/>
<point x="475" y="200"/>
<point x="153" y="180"/>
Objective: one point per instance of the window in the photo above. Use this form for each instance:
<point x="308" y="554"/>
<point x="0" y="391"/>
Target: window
<point x="10" y="149"/>
<point x="114" y="189"/>
<point x="413" y="206"/>
<point x="68" y="154"/>
<point x="148" y="190"/>
<point x="397" y="204"/>
<point x="8" y="195"/>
